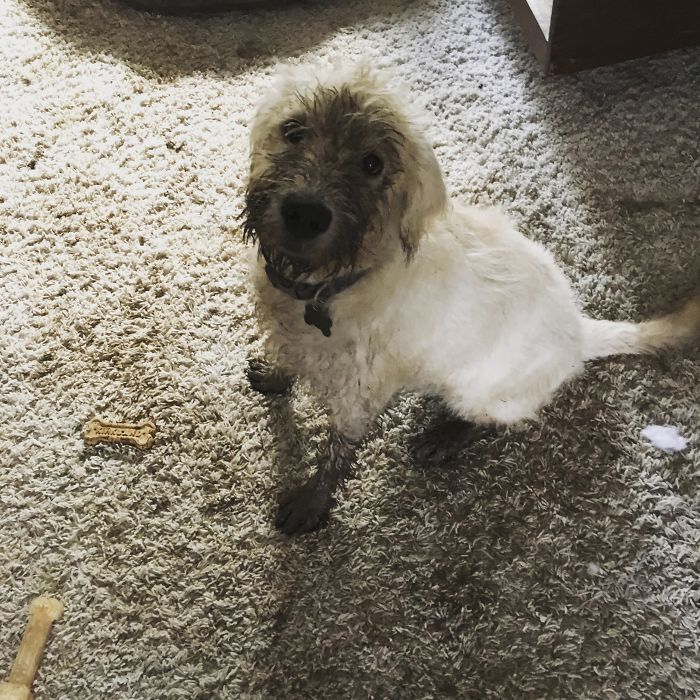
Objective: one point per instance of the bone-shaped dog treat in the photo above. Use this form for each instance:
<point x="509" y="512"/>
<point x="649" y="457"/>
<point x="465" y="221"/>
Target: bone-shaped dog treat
<point x="43" y="612"/>
<point x="139" y="435"/>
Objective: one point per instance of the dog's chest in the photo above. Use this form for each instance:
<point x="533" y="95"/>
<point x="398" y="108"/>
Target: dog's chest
<point x="304" y="349"/>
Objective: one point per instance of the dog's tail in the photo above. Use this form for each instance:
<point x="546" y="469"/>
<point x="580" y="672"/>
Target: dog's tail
<point x="602" y="338"/>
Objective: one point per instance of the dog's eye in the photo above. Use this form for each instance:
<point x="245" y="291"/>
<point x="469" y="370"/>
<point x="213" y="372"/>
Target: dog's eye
<point x="372" y="164"/>
<point x="293" y="131"/>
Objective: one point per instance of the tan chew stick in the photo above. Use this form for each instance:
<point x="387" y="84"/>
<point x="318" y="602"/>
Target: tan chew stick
<point x="43" y="612"/>
<point x="139" y="435"/>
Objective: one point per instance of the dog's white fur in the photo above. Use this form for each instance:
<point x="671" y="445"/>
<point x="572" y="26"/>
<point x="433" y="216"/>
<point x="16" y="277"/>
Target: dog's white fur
<point x="480" y="316"/>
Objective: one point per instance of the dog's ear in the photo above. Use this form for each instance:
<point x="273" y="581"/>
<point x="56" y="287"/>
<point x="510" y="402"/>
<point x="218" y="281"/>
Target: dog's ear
<point x="424" y="192"/>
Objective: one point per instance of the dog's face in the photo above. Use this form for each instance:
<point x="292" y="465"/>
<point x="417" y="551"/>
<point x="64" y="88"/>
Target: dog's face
<point x="339" y="176"/>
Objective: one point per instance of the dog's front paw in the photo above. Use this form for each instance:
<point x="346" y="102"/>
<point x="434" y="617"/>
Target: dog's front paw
<point x="304" y="509"/>
<point x="266" y="379"/>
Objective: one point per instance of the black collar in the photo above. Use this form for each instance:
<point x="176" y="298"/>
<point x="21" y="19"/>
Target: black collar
<point x="318" y="294"/>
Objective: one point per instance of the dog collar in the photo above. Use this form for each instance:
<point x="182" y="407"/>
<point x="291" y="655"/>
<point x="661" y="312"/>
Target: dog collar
<point x="318" y="294"/>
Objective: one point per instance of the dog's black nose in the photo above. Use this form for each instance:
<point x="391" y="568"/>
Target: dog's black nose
<point x="304" y="215"/>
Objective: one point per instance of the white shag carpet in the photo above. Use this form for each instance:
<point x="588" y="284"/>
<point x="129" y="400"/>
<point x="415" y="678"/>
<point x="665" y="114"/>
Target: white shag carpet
<point x="559" y="560"/>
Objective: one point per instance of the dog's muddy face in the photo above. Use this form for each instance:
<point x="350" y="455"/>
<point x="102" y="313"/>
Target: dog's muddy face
<point x="332" y="172"/>
<point x="324" y="181"/>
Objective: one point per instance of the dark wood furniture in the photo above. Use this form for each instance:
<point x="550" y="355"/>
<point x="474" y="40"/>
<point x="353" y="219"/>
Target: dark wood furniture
<point x="587" y="33"/>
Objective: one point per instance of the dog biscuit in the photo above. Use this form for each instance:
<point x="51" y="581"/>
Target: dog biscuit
<point x="139" y="435"/>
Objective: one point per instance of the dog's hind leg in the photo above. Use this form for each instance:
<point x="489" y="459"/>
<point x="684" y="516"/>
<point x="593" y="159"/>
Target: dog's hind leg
<point x="441" y="443"/>
<point x="268" y="379"/>
<point x="306" y="507"/>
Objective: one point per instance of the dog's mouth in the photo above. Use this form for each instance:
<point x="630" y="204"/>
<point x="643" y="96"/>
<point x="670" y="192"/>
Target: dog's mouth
<point x="287" y="264"/>
<point x="293" y="266"/>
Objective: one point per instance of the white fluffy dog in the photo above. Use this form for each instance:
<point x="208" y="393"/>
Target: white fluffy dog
<point x="370" y="281"/>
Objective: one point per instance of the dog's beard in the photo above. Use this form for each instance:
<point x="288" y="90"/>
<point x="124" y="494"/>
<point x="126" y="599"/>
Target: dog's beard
<point x="285" y="265"/>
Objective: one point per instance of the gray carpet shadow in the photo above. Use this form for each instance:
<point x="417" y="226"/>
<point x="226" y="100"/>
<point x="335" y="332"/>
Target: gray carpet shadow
<point x="611" y="131"/>
<point x="167" y="48"/>
<point x="440" y="582"/>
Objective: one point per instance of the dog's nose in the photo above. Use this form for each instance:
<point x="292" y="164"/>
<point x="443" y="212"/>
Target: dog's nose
<point x="305" y="216"/>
